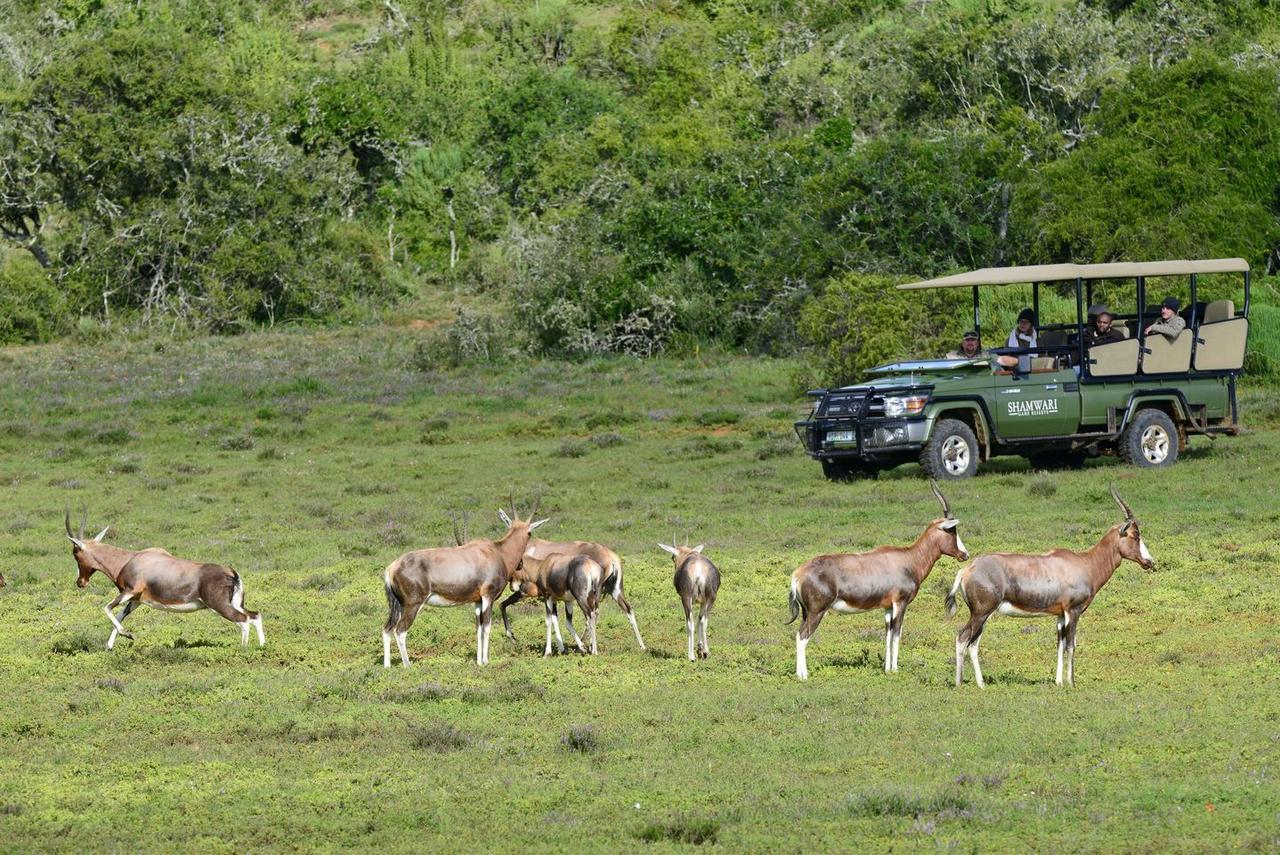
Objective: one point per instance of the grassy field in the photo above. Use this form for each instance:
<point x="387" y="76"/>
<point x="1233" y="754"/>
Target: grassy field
<point x="308" y="461"/>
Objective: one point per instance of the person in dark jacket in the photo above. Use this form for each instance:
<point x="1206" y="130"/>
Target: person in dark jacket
<point x="1100" y="330"/>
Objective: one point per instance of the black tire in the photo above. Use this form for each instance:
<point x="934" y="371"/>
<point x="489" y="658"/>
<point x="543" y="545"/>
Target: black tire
<point x="1057" y="460"/>
<point x="848" y="470"/>
<point x="1150" y="440"/>
<point x="951" y="452"/>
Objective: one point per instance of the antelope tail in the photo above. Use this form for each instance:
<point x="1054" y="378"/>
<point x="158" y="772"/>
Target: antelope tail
<point x="794" y="601"/>
<point x="395" y="605"/>
<point x="955" y="587"/>
<point x="611" y="580"/>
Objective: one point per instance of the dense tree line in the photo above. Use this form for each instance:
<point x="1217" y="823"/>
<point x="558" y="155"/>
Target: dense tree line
<point x="612" y="176"/>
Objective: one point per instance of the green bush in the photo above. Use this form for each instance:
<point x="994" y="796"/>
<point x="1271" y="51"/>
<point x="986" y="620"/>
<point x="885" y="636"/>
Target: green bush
<point x="862" y="321"/>
<point x="33" y="307"/>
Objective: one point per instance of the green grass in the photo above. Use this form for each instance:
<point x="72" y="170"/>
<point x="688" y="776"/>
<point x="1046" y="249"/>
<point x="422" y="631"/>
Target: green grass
<point x="184" y="741"/>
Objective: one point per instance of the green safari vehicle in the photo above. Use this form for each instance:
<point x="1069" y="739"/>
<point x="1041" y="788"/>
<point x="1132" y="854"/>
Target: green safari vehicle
<point x="1138" y="398"/>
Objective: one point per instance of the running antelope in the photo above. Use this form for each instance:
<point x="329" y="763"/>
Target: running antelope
<point x="1060" y="583"/>
<point x="156" y="578"/>
<point x="602" y="555"/>
<point x="566" y="578"/>
<point x="888" y="577"/>
<point x="475" y="572"/>
<point x="697" y="580"/>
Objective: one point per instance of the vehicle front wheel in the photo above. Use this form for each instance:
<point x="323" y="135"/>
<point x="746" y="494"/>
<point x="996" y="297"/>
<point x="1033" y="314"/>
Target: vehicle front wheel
<point x="951" y="452"/>
<point x="845" y="470"/>
<point x="1150" y="440"/>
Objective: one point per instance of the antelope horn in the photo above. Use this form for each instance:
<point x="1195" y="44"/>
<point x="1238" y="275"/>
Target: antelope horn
<point x="103" y="533"/>
<point x="1128" y="511"/>
<point x="66" y="521"/>
<point x="453" y="519"/>
<point x="946" y="508"/>
<point x="84" y="520"/>
<point x="537" y="503"/>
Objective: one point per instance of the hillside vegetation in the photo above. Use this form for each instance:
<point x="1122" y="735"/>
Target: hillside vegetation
<point x="580" y="177"/>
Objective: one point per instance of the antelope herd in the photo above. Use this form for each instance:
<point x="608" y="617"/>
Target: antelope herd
<point x="1058" y="583"/>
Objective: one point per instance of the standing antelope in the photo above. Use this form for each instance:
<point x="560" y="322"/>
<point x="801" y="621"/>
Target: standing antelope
<point x="1060" y="582"/>
<point x="602" y="555"/>
<point x="888" y="577"/>
<point x="158" y="579"/>
<point x="697" y="580"/>
<point x="564" y="578"/>
<point x="475" y="572"/>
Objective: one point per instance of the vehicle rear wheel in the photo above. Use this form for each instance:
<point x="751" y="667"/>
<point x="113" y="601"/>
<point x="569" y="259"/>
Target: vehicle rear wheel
<point x="1150" y="440"/>
<point x="951" y="452"/>
<point x="848" y="470"/>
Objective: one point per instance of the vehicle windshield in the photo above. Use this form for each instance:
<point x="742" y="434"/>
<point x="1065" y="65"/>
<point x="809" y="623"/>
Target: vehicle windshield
<point x="927" y="365"/>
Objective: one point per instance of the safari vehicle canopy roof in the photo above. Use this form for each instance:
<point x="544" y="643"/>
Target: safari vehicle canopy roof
<point x="1063" y="272"/>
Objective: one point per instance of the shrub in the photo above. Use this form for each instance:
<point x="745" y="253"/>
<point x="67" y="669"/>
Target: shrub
<point x="862" y="321"/>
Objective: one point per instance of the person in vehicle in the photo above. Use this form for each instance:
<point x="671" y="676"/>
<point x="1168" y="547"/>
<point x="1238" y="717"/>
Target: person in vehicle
<point x="1099" y="329"/>
<point x="1023" y="337"/>
<point x="970" y="347"/>
<point x="1170" y="323"/>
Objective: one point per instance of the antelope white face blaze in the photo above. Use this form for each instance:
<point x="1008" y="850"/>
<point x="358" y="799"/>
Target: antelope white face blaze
<point x="1142" y="550"/>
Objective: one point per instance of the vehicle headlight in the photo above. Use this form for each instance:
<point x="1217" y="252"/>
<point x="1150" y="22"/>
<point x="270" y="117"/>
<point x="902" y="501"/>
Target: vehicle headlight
<point x="908" y="406"/>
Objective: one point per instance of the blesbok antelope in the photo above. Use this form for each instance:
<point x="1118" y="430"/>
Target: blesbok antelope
<point x="888" y="577"/>
<point x="1061" y="583"/>
<point x="697" y="581"/>
<point x="154" y="577"/>
<point x="602" y="555"/>
<point x="475" y="572"/>
<point x="563" y="578"/>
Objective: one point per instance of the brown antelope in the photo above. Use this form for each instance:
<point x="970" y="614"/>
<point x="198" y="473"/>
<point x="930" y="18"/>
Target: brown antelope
<point x="561" y="577"/>
<point x="602" y="555"/>
<point x="888" y="577"/>
<point x="1060" y="583"/>
<point x="475" y="572"/>
<point x="156" y="578"/>
<point x="697" y="580"/>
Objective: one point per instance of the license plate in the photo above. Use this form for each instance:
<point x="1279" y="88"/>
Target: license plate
<point x="840" y="436"/>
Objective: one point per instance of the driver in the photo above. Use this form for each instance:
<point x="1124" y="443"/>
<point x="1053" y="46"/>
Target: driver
<point x="970" y="347"/>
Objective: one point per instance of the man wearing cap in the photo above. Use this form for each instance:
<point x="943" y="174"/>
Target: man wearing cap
<point x="1170" y="323"/>
<point x="970" y="347"/>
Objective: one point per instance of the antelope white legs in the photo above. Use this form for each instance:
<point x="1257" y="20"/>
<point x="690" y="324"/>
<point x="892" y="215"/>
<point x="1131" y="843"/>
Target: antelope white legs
<point x="897" y="640"/>
<point x="706" y="648"/>
<point x="257" y="624"/>
<point x="118" y="628"/>
<point x="592" y="620"/>
<point x="1062" y="643"/>
<point x="888" y="639"/>
<point x="802" y="666"/>
<point x="386" y="649"/>
<point x="568" y="619"/>
<point x="546" y="619"/>
<point x="688" y="625"/>
<point x="486" y="613"/>
<point x="555" y="624"/>
<point x="894" y="632"/>
<point x="959" y="663"/>
<point x="479" y="637"/>
<point x="404" y="650"/>
<point x="244" y="632"/>
<point x="631" y="615"/>
<point x="973" y="657"/>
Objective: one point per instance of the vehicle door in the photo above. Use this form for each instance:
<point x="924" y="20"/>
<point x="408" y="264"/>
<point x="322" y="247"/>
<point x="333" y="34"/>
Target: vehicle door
<point x="1041" y="402"/>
